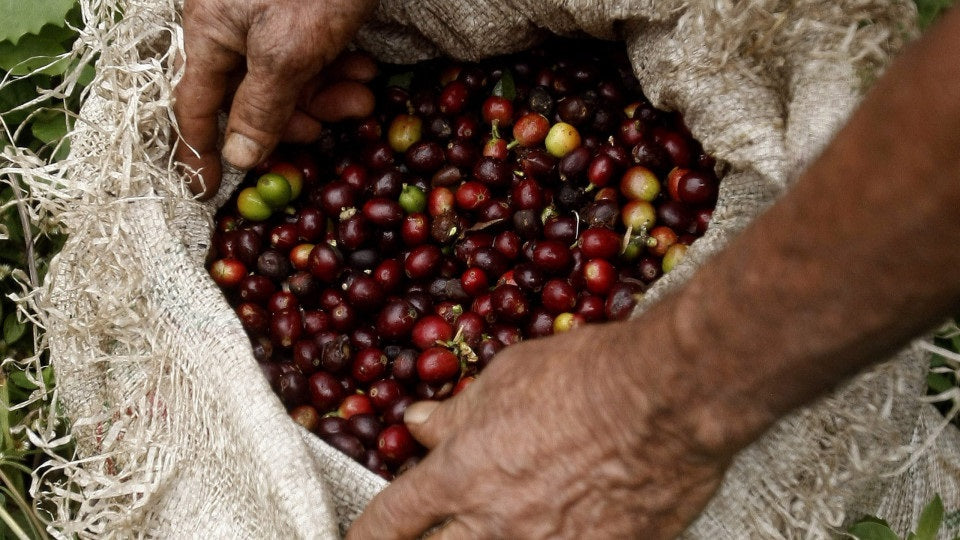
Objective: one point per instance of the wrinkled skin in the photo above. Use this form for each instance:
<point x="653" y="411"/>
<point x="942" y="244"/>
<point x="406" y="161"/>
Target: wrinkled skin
<point x="276" y="63"/>
<point x="546" y="444"/>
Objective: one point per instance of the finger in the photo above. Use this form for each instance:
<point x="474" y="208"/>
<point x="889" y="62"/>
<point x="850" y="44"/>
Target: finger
<point x="262" y="105"/>
<point x="302" y="128"/>
<point x="340" y="101"/>
<point x="431" y="422"/>
<point x="453" y="530"/>
<point x="354" y="66"/>
<point x="199" y="96"/>
<point x="413" y="503"/>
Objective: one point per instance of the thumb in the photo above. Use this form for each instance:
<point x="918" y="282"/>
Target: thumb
<point x="261" y="107"/>
<point x="432" y="421"/>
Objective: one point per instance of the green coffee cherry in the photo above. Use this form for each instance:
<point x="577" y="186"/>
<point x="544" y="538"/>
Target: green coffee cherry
<point x="275" y="190"/>
<point x="293" y="174"/>
<point x="674" y="255"/>
<point x="252" y="206"/>
<point x="633" y="250"/>
<point x="412" y="199"/>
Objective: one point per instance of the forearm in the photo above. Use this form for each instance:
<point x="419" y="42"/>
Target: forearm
<point x="857" y="258"/>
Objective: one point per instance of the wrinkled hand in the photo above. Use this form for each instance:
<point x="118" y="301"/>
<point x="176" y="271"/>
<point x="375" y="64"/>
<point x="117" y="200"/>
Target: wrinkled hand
<point x="581" y="435"/>
<point x="284" y="55"/>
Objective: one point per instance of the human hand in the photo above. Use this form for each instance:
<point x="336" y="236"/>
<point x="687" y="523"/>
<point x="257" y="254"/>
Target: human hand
<point x="292" y="78"/>
<point x="581" y="435"/>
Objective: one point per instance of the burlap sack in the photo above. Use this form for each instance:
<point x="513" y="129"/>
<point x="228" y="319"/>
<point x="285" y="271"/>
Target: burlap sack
<point x="177" y="433"/>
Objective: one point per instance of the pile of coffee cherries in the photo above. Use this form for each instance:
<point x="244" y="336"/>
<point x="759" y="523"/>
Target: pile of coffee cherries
<point x="480" y="205"/>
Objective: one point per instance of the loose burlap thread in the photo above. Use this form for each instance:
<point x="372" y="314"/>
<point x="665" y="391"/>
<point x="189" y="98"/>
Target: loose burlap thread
<point x="178" y="434"/>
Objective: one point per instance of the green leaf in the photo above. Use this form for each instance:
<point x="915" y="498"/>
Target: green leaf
<point x="870" y="530"/>
<point x="401" y="80"/>
<point x="50" y="126"/>
<point x="86" y="76"/>
<point x="505" y="87"/>
<point x="938" y="383"/>
<point x="13" y="329"/>
<point x="21" y="17"/>
<point x="47" y="375"/>
<point x="62" y="151"/>
<point x="17" y="395"/>
<point x="31" y="53"/>
<point x="930" y="520"/>
<point x="13" y="94"/>
<point x="20" y="379"/>
<point x="59" y="32"/>
<point x="874" y="519"/>
<point x="955" y="343"/>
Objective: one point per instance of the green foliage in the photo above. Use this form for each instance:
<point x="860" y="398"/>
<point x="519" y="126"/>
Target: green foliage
<point x="930" y="521"/>
<point x="34" y="51"/>
<point x="15" y="93"/>
<point x="929" y="10"/>
<point x="872" y="530"/>
<point x="401" y="80"/>
<point x="37" y="61"/>
<point x="505" y="87"/>
<point x="18" y="404"/>
<point x="35" y="37"/>
<point x="928" y="525"/>
<point x="22" y="17"/>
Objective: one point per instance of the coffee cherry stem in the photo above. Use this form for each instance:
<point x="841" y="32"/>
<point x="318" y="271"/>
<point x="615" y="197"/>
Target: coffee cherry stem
<point x="467" y="356"/>
<point x="459" y="346"/>
<point x="547" y="213"/>
<point x="513" y="144"/>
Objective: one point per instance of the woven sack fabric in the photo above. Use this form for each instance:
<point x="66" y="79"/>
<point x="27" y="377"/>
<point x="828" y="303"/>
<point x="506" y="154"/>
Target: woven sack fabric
<point x="178" y="434"/>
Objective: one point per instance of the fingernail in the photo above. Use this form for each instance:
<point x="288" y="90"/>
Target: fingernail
<point x="241" y="151"/>
<point x="419" y="412"/>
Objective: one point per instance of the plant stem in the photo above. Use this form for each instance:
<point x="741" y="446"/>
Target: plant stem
<point x="25" y="507"/>
<point x="14" y="527"/>
<point x="8" y="443"/>
<point x="27" y="231"/>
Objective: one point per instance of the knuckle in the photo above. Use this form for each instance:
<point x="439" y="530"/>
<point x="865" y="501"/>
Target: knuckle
<point x="257" y="122"/>
<point x="214" y="21"/>
<point x="392" y="510"/>
<point x="283" y="47"/>
<point x="255" y="109"/>
<point x="275" y="58"/>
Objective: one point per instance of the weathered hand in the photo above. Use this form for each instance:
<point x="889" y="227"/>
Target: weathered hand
<point x="281" y="56"/>
<point x="574" y="436"/>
